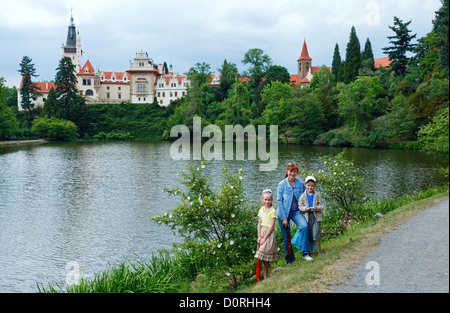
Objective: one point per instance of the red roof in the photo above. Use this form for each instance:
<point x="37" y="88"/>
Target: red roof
<point x="44" y="87"/>
<point x="305" y="54"/>
<point x="107" y="77"/>
<point x="89" y="67"/>
<point x="382" y="62"/>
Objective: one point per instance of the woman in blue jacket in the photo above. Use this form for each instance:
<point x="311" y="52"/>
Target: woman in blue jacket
<point x="289" y="191"/>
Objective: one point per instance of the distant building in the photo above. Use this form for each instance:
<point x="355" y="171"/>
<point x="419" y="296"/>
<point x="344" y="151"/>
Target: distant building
<point x="305" y="69"/>
<point x="144" y="81"/>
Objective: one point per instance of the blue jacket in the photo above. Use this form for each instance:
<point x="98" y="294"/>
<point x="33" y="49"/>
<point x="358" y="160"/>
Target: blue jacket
<point x="284" y="196"/>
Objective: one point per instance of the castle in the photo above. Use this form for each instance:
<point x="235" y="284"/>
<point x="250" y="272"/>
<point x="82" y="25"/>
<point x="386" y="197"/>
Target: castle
<point x="143" y="82"/>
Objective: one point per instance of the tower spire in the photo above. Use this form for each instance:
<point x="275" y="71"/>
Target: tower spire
<point x="305" y="54"/>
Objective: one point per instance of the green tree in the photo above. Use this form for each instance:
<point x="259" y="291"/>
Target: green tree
<point x="361" y="101"/>
<point x="342" y="186"/>
<point x="165" y="69"/>
<point x="29" y="90"/>
<point x="367" y="60"/>
<point x="321" y="79"/>
<point x="336" y="64"/>
<point x="434" y="136"/>
<point x="51" y="105"/>
<point x="401" y="117"/>
<point x="367" y="53"/>
<point x="66" y="86"/>
<point x="276" y="98"/>
<point x="277" y="73"/>
<point x="307" y="118"/>
<point x="236" y="106"/>
<point x="259" y="63"/>
<point x="229" y="74"/>
<point x="430" y="96"/>
<point x="216" y="224"/>
<point x="400" y="46"/>
<point x="352" y="58"/>
<point x="199" y="74"/>
<point x="440" y="28"/>
<point x="54" y="129"/>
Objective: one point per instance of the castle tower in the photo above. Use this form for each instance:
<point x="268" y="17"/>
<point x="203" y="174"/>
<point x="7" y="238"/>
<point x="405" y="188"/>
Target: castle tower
<point x="143" y="74"/>
<point x="304" y="62"/>
<point x="72" y="48"/>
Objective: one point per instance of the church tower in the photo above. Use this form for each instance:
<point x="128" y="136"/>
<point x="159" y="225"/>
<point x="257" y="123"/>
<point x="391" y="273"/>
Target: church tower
<point x="72" y="48"/>
<point x="304" y="62"/>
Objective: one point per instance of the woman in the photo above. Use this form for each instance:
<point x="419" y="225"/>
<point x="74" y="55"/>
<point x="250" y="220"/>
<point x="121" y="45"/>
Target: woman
<point x="289" y="191"/>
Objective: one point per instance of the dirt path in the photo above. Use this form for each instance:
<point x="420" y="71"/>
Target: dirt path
<point x="412" y="259"/>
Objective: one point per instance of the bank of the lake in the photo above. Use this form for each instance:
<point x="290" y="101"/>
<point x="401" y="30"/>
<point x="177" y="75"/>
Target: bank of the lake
<point x="89" y="202"/>
<point x="21" y="142"/>
<point x="164" y="273"/>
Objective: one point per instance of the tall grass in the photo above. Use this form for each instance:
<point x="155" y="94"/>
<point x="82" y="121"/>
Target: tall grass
<point x="161" y="273"/>
<point x="166" y="273"/>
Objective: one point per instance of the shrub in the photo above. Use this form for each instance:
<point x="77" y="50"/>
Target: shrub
<point x="217" y="225"/>
<point x="54" y="129"/>
<point x="342" y="187"/>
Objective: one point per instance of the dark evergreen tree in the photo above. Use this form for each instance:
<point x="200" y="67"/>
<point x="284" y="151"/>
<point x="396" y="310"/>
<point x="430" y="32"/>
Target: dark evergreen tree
<point x="367" y="53"/>
<point x="336" y="65"/>
<point x="277" y="73"/>
<point x="440" y="28"/>
<point x="367" y="67"/>
<point x="400" y="45"/>
<point x="29" y="90"/>
<point x="229" y="74"/>
<point x="352" y="58"/>
<point x="51" y="105"/>
<point x="260" y="63"/>
<point x="165" y="69"/>
<point x="66" y="86"/>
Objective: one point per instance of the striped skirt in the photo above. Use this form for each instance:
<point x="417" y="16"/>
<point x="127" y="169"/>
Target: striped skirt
<point x="268" y="250"/>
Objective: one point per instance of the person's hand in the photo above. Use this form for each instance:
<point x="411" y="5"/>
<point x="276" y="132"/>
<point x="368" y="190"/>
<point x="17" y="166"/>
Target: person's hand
<point x="262" y="240"/>
<point x="285" y="223"/>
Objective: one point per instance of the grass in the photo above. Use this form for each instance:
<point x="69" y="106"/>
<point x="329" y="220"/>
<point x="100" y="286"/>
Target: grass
<point x="341" y="255"/>
<point x="177" y="273"/>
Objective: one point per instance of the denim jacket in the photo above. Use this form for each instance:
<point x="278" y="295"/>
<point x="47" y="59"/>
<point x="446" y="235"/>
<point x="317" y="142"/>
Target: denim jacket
<point x="284" y="196"/>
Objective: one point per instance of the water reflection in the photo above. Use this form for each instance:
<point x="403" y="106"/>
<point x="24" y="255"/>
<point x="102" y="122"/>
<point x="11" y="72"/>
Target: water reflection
<point x="90" y="202"/>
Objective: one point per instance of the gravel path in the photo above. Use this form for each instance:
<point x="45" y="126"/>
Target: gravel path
<point x="412" y="259"/>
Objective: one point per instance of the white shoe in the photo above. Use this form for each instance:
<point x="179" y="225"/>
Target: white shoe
<point x="307" y="257"/>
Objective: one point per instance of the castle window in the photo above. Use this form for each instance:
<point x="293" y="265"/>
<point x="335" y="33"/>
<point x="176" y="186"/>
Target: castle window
<point x="89" y="92"/>
<point x="141" y="87"/>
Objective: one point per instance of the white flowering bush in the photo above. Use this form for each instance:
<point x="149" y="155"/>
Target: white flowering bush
<point x="217" y="225"/>
<point x="341" y="185"/>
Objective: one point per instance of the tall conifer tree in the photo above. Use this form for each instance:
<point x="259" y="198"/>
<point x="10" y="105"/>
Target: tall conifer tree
<point x="400" y="45"/>
<point x="66" y="86"/>
<point x="29" y="90"/>
<point x="336" y="62"/>
<point x="352" y="58"/>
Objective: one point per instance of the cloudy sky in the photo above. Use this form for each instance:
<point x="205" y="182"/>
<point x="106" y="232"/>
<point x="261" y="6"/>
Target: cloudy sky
<point x="186" y="32"/>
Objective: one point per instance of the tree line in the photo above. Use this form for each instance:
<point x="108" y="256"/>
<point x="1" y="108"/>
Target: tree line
<point x="354" y="104"/>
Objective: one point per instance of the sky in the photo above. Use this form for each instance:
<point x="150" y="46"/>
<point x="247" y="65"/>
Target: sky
<point x="183" y="33"/>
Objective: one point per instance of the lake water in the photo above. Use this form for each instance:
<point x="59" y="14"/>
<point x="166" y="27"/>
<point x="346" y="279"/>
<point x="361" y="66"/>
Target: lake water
<point x="89" y="203"/>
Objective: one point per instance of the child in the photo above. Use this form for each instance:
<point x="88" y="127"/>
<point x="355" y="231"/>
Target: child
<point x="267" y="251"/>
<point x="312" y="206"/>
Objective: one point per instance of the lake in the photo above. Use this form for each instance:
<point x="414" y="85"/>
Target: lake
<point x="88" y="203"/>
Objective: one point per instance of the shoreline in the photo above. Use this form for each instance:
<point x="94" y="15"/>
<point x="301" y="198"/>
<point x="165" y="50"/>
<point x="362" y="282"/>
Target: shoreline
<point x="21" y="142"/>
